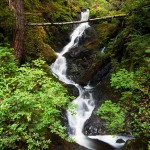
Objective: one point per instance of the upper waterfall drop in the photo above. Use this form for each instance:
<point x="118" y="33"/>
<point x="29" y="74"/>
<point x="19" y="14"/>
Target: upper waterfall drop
<point x="85" y="15"/>
<point x="59" y="67"/>
<point x="77" y="33"/>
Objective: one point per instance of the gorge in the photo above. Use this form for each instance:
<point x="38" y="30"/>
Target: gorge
<point x="65" y="75"/>
<point x="85" y="101"/>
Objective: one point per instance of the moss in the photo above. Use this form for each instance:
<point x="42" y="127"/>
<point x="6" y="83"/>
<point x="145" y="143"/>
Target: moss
<point x="47" y="53"/>
<point x="41" y="31"/>
<point x="36" y="46"/>
<point x="105" y="31"/>
<point x="92" y="45"/>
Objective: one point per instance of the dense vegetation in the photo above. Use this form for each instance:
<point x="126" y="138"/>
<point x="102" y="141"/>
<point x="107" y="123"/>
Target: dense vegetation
<point x="31" y="104"/>
<point x="31" y="101"/>
<point x="130" y="74"/>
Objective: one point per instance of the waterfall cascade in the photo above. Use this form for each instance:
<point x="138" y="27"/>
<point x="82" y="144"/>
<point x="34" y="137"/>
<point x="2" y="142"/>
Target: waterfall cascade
<point x="85" y="102"/>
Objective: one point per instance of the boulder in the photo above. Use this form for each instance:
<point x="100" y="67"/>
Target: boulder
<point x="120" y="141"/>
<point x="36" y="45"/>
<point x="83" y="60"/>
<point x="95" y="126"/>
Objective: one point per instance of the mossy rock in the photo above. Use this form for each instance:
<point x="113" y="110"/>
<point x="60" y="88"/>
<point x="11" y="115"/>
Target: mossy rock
<point x="100" y="35"/>
<point x="47" y="53"/>
<point x="36" y="45"/>
<point x="105" y="31"/>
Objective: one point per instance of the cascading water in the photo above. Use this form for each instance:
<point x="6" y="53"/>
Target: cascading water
<point x="85" y="101"/>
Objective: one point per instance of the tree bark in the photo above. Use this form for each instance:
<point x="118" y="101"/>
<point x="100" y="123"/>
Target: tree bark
<point x="77" y="22"/>
<point x="18" y="40"/>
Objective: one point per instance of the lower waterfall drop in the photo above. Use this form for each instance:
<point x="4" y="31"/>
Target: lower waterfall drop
<point x="85" y="102"/>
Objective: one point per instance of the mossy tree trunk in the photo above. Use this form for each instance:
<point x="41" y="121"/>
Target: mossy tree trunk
<point x="18" y="8"/>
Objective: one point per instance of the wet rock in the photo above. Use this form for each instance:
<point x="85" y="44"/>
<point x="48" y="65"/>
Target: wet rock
<point x="86" y="61"/>
<point x="95" y="126"/>
<point x="72" y="90"/>
<point x="120" y="141"/>
<point x="103" y="91"/>
<point x="103" y="72"/>
<point x="82" y="59"/>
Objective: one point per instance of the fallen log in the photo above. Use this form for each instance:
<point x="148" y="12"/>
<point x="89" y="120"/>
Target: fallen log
<point x="77" y="22"/>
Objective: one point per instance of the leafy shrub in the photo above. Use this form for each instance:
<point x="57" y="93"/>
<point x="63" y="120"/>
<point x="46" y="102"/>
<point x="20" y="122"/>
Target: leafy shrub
<point x="134" y="88"/>
<point x="7" y="62"/>
<point x="113" y="115"/>
<point x="30" y="105"/>
<point x="124" y="79"/>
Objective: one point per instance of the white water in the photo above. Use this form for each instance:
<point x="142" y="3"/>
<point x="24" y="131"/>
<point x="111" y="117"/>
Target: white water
<point x="85" y="102"/>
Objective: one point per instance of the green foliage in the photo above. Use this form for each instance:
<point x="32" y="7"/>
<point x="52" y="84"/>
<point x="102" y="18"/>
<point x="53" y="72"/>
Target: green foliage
<point x="31" y="105"/>
<point x="134" y="39"/>
<point x="113" y="115"/>
<point x="7" y="62"/>
<point x="133" y="108"/>
<point x="7" y="22"/>
<point x="130" y="73"/>
<point x="62" y="13"/>
<point x="99" y="8"/>
<point x="137" y="50"/>
<point x="134" y="49"/>
<point x="116" y="4"/>
<point x="139" y="12"/>
<point x="135" y="98"/>
<point x="124" y="79"/>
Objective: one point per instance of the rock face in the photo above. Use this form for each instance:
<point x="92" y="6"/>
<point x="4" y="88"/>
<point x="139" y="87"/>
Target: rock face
<point x="88" y="58"/>
<point x="83" y="60"/>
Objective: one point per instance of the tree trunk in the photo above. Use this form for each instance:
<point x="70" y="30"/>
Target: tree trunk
<point x="18" y="40"/>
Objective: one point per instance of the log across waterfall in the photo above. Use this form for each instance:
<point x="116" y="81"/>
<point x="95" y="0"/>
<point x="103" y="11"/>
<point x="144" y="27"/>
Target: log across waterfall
<point x="85" y="102"/>
<point x="120" y="16"/>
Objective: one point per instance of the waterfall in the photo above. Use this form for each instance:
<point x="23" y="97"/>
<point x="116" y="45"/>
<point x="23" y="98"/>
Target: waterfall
<point x="85" y="102"/>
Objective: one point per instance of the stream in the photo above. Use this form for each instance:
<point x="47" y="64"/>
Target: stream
<point x="85" y="101"/>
